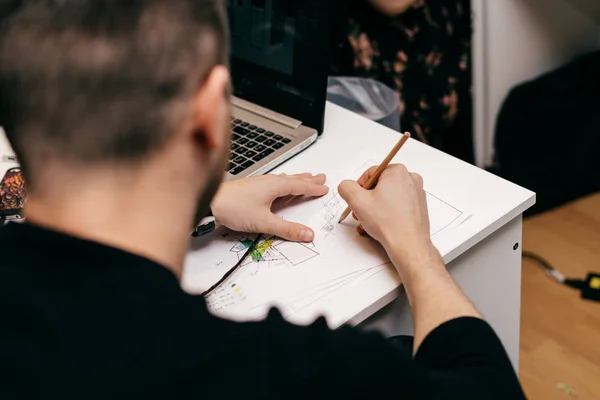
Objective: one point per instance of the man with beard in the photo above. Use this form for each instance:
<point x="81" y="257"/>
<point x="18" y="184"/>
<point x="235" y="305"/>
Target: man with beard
<point x="119" y="114"/>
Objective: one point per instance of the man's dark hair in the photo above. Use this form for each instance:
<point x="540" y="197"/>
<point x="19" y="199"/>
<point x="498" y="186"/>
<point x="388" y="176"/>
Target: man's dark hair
<point x="94" y="81"/>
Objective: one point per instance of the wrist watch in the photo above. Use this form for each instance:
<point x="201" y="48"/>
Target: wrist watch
<point x="207" y="225"/>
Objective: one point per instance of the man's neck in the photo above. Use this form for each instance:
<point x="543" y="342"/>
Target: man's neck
<point x="142" y="218"/>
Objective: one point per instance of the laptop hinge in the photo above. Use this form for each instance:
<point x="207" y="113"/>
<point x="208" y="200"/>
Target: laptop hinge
<point x="266" y="113"/>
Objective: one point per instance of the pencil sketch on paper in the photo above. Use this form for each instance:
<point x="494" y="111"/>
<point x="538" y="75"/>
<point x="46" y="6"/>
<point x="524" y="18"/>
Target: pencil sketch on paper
<point x="302" y="299"/>
<point x="291" y="275"/>
<point x="441" y="214"/>
<point x="226" y="296"/>
<point x="332" y="206"/>
<point x="272" y="252"/>
<point x="268" y="254"/>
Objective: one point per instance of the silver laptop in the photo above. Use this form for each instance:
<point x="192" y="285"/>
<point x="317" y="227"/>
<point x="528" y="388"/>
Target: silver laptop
<point x="279" y="63"/>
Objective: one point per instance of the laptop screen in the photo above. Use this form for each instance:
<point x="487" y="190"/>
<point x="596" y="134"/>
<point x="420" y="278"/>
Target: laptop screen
<point x="279" y="55"/>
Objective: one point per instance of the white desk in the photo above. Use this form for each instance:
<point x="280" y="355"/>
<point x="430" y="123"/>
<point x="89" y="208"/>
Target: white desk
<point x="480" y="255"/>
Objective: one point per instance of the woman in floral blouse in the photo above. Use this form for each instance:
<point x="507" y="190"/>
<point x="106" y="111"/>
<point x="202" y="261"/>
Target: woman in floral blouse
<point x="422" y="49"/>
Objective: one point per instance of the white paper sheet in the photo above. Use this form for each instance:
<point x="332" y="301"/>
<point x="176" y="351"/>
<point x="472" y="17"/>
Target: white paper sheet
<point x="293" y="276"/>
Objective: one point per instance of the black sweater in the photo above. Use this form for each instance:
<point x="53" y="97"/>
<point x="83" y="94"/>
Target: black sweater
<point x="82" y="320"/>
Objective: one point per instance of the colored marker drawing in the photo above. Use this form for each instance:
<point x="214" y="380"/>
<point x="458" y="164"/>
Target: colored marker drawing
<point x="258" y="252"/>
<point x="273" y="252"/>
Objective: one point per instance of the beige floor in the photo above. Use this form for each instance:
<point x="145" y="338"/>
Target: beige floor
<point x="560" y="332"/>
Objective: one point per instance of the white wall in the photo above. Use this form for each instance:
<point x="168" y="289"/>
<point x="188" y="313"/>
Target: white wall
<point x="517" y="40"/>
<point x="5" y="149"/>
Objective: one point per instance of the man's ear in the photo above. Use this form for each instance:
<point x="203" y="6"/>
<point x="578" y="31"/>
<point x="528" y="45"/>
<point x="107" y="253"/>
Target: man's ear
<point x="211" y="109"/>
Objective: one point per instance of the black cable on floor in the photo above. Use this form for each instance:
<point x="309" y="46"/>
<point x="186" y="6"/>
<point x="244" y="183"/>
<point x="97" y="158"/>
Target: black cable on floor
<point x="590" y="287"/>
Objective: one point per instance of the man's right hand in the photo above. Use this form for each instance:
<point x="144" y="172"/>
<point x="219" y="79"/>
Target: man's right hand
<point x="394" y="213"/>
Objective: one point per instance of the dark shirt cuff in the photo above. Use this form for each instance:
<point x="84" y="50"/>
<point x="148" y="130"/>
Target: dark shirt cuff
<point x="455" y="338"/>
<point x="465" y="355"/>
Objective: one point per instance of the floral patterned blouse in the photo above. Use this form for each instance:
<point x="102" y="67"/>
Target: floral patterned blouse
<point x="425" y="55"/>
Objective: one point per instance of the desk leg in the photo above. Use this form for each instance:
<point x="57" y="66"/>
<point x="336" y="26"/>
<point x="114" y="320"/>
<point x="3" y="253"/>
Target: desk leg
<point x="490" y="275"/>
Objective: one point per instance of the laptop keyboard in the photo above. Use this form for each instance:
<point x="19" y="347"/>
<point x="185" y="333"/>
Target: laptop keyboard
<point x="250" y="144"/>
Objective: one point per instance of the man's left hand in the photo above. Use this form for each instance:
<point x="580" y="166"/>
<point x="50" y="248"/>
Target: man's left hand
<point x="245" y="205"/>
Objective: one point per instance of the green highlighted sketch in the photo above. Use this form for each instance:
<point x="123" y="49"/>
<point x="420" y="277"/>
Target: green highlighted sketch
<point x="273" y="252"/>
<point x="258" y="252"/>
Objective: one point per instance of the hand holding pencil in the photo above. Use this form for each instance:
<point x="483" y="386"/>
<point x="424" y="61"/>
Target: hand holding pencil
<point x="395" y="209"/>
<point x="370" y="184"/>
<point x="373" y="178"/>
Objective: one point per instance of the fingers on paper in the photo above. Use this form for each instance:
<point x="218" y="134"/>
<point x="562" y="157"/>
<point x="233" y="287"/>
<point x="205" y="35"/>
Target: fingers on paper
<point x="313" y="186"/>
<point x="305" y="175"/>
<point x="289" y="230"/>
<point x="319" y="179"/>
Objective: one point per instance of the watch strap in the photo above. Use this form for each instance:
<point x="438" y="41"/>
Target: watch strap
<point x="207" y="225"/>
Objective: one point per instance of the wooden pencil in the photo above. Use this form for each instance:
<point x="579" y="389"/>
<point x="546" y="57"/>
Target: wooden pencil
<point x="372" y="182"/>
